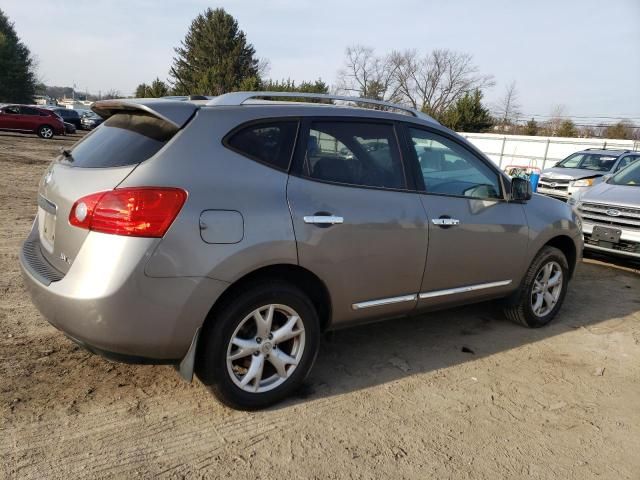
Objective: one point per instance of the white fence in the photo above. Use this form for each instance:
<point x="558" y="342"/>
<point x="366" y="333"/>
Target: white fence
<point x="541" y="152"/>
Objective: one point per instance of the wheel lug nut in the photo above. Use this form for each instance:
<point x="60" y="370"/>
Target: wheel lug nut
<point x="258" y="340"/>
<point x="271" y="336"/>
<point x="256" y="353"/>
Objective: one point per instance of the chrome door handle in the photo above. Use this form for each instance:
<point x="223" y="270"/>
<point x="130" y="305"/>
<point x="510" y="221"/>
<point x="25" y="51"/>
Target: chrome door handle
<point x="445" y="222"/>
<point x="323" y="219"/>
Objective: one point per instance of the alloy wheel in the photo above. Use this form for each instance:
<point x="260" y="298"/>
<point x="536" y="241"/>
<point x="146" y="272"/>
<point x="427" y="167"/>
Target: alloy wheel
<point x="265" y="348"/>
<point x="546" y="290"/>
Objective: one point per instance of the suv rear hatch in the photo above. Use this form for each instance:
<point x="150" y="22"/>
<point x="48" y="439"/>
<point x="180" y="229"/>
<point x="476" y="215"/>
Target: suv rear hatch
<point x="133" y="132"/>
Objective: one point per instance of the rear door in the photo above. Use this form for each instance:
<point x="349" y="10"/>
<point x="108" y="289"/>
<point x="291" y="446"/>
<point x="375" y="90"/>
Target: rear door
<point x="357" y="224"/>
<point x="30" y="118"/>
<point x="477" y="239"/>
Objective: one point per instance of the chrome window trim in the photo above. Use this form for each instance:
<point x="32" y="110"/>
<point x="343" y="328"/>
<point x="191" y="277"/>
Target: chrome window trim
<point x="384" y="301"/>
<point x="469" y="288"/>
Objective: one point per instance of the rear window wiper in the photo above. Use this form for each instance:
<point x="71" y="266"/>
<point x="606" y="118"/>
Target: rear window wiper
<point x="66" y="153"/>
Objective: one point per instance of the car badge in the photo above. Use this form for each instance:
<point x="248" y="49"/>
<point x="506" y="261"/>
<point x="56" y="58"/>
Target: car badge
<point x="613" y="212"/>
<point x="553" y="184"/>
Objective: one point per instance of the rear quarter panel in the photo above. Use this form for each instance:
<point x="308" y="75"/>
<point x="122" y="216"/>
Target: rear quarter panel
<point x="217" y="178"/>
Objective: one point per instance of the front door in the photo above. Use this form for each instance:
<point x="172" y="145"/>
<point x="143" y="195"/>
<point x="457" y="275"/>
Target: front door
<point x="356" y="224"/>
<point x="477" y="239"/>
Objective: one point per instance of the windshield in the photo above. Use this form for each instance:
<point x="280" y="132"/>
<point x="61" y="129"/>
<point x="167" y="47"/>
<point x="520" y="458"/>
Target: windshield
<point x="630" y="176"/>
<point x="589" y="161"/>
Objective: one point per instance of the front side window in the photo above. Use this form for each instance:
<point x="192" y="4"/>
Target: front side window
<point x="629" y="176"/>
<point x="450" y="169"/>
<point x="354" y="153"/>
<point x="626" y="161"/>
<point x="11" y="110"/>
<point x="270" y="143"/>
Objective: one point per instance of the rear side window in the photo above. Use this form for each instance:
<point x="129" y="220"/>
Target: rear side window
<point x="270" y="143"/>
<point x="354" y="153"/>
<point x="123" y="139"/>
<point x="29" y="111"/>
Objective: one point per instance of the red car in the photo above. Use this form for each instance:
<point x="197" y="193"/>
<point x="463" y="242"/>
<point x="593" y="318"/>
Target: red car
<point x="27" y="119"/>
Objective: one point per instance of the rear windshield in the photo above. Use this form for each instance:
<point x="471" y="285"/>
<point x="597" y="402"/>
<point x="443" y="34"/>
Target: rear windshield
<point x="123" y="139"/>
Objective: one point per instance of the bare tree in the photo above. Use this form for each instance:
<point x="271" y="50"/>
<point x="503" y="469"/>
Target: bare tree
<point x="368" y="75"/>
<point x="507" y="109"/>
<point x="553" y="125"/>
<point x="435" y="81"/>
<point x="264" y="67"/>
<point x="113" y="93"/>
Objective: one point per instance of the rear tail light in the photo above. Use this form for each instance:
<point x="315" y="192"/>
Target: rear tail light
<point x="135" y="212"/>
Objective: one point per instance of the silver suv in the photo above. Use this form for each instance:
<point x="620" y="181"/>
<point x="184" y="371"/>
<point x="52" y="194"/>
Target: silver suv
<point x="611" y="214"/>
<point x="224" y="235"/>
<point x="574" y="175"/>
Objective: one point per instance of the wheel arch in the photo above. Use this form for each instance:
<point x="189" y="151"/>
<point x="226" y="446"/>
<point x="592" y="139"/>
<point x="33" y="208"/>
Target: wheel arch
<point x="296" y="275"/>
<point x="566" y="245"/>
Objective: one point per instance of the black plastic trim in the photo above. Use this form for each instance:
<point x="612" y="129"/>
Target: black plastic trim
<point x="121" y="357"/>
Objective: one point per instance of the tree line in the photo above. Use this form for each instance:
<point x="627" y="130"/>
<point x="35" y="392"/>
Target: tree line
<point x="216" y="57"/>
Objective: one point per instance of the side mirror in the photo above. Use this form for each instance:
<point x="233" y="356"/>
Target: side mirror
<point x="521" y="190"/>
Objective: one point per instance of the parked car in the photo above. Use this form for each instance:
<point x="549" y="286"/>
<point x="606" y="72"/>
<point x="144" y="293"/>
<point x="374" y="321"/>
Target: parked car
<point x="68" y="115"/>
<point x="27" y="119"/>
<point x="582" y="170"/>
<point x="90" y="120"/>
<point x="225" y="235"/>
<point x="69" y="128"/>
<point x="610" y="214"/>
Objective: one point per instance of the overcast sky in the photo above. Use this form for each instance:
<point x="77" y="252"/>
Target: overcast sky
<point x="583" y="54"/>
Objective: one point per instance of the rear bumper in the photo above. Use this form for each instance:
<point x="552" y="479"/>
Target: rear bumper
<point x="106" y="303"/>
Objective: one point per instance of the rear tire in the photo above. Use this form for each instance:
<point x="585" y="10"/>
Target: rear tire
<point x="260" y="346"/>
<point x="46" y="132"/>
<point x="542" y="291"/>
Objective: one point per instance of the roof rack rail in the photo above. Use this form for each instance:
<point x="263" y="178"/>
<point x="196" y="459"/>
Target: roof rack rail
<point x="238" y="98"/>
<point x="605" y="148"/>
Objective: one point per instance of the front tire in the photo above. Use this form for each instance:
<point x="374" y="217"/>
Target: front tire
<point x="46" y="132"/>
<point x="260" y="346"/>
<point x="542" y="292"/>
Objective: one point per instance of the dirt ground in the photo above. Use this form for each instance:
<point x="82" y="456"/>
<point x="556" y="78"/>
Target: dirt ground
<point x="456" y="394"/>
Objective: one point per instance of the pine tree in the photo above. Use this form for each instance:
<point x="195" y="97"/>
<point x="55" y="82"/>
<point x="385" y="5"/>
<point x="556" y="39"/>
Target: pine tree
<point x="17" y="76"/>
<point x="531" y="128"/>
<point x="567" y="129"/>
<point x="214" y="57"/>
<point x="142" y="91"/>
<point x="467" y="114"/>
<point x="289" y="85"/>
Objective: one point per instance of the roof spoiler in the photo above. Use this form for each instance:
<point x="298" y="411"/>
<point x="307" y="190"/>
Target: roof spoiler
<point x="175" y="112"/>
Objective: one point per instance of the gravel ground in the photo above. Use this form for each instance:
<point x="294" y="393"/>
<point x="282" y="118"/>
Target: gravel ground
<point x="456" y="394"/>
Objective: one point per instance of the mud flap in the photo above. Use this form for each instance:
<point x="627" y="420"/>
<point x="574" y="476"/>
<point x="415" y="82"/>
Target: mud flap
<point x="186" y="366"/>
